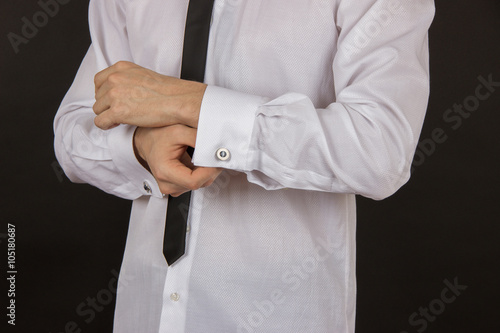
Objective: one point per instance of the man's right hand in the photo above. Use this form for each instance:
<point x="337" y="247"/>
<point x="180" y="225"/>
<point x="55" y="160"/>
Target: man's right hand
<point x="163" y="152"/>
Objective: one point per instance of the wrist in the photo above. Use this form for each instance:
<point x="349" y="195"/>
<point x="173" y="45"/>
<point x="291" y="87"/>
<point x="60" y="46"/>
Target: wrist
<point x="189" y="113"/>
<point x="137" y="141"/>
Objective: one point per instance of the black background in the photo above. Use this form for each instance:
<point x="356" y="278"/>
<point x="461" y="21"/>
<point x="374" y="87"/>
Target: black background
<point x="442" y="225"/>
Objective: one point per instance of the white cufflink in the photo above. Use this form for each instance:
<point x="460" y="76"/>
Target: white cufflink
<point x="222" y="154"/>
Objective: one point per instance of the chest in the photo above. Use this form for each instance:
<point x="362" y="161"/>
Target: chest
<point x="252" y="42"/>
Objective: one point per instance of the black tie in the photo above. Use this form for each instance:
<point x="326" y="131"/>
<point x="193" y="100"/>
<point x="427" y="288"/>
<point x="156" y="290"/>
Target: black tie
<point x="194" y="57"/>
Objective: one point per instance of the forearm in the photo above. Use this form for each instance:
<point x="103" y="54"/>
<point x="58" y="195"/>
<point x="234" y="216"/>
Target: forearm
<point x="359" y="140"/>
<point x="88" y="154"/>
<point x="290" y="143"/>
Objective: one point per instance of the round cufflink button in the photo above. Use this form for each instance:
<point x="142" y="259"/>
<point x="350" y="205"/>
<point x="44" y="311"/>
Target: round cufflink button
<point x="147" y="188"/>
<point x="223" y="154"/>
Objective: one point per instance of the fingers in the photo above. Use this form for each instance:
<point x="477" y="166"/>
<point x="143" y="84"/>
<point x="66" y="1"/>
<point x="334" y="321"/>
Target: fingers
<point x="102" y="91"/>
<point x="105" y="96"/>
<point x="216" y="172"/>
<point x="114" y="107"/>
<point x="104" y="122"/>
<point x="101" y="104"/>
<point x="172" y="189"/>
<point x="138" y="96"/>
<point x="125" y="100"/>
<point x="181" y="175"/>
<point x="101" y="77"/>
<point x="186" y="160"/>
<point x="183" y="135"/>
<point x="196" y="182"/>
<point x="176" y="173"/>
<point x="176" y="194"/>
<point x="169" y="162"/>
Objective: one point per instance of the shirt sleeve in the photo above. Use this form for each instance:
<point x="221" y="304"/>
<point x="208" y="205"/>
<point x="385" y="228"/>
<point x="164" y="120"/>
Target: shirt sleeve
<point x="364" y="141"/>
<point x="86" y="153"/>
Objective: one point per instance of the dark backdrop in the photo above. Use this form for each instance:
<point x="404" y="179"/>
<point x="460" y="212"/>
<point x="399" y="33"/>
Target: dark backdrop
<point x="437" y="232"/>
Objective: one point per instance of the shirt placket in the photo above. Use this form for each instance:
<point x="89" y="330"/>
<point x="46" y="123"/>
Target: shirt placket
<point x="176" y="288"/>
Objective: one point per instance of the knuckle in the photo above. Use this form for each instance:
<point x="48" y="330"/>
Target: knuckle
<point x="114" y="93"/>
<point x="137" y="93"/>
<point x="122" y="64"/>
<point x="97" y="122"/>
<point x="115" y="78"/>
<point x="118" y="111"/>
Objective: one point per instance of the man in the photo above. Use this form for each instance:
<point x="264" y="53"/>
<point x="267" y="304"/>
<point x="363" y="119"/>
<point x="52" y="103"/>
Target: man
<point x="305" y="104"/>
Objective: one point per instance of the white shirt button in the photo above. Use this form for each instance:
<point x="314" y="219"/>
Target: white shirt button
<point x="223" y="154"/>
<point x="147" y="187"/>
<point x="188" y="228"/>
<point x="175" y="297"/>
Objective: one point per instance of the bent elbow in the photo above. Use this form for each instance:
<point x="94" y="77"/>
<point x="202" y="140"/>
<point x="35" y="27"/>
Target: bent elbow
<point x="387" y="180"/>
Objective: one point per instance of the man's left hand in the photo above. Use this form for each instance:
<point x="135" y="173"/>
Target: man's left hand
<point x="127" y="93"/>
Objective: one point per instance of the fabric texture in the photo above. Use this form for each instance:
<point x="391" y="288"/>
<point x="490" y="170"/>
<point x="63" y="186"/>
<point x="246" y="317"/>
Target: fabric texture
<point x="315" y="100"/>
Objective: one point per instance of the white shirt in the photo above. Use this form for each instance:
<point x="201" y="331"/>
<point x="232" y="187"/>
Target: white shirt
<point x="315" y="100"/>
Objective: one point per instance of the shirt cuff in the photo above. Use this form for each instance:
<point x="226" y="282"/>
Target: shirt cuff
<point x="225" y="128"/>
<point x="120" y="140"/>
